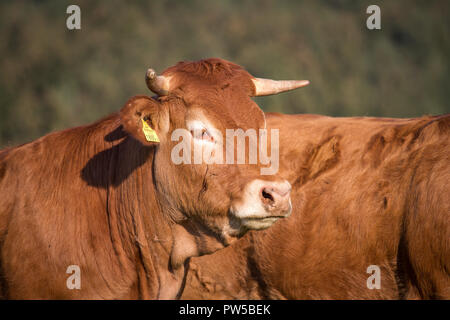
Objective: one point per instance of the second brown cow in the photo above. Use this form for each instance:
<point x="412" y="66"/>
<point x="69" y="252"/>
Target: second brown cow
<point x="371" y="199"/>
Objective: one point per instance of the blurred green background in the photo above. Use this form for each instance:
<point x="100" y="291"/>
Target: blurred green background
<point x="53" y="78"/>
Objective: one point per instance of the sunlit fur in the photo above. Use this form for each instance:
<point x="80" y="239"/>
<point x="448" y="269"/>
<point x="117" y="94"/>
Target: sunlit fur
<point x="366" y="191"/>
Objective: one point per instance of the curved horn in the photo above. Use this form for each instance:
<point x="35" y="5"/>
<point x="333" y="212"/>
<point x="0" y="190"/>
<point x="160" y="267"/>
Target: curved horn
<point x="265" y="87"/>
<point x="158" y="84"/>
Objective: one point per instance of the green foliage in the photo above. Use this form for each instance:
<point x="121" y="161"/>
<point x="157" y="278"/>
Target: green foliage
<point x="53" y="78"/>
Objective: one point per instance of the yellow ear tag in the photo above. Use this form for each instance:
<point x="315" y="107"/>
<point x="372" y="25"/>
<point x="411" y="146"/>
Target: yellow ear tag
<point x="149" y="133"/>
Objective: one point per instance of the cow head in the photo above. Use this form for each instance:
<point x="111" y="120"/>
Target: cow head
<point x="196" y="103"/>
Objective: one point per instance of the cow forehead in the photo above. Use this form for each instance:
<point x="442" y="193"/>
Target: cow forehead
<point x="226" y="111"/>
<point x="212" y="70"/>
<point x="219" y="88"/>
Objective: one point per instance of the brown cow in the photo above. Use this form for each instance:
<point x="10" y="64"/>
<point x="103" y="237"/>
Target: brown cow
<point x="109" y="199"/>
<point x="366" y="192"/>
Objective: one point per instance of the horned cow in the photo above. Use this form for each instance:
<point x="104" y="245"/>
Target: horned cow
<point x="108" y="198"/>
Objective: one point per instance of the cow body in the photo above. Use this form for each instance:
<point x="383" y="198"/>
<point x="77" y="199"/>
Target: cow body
<point x="55" y="192"/>
<point x="108" y="199"/>
<point x="366" y="191"/>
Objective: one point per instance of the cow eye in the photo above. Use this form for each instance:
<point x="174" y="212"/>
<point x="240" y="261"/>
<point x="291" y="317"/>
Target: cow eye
<point x="202" y="135"/>
<point x="207" y="136"/>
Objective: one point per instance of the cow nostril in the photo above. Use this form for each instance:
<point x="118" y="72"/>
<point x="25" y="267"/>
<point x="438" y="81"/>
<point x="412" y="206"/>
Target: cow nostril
<point x="267" y="196"/>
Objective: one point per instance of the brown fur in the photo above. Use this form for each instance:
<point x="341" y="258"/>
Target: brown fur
<point x="366" y="191"/>
<point x="103" y="198"/>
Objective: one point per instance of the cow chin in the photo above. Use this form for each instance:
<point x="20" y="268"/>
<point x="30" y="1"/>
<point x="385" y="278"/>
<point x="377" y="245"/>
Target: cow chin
<point x="241" y="223"/>
<point x="258" y="223"/>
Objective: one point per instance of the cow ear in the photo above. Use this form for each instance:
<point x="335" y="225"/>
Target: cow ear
<point x="140" y="118"/>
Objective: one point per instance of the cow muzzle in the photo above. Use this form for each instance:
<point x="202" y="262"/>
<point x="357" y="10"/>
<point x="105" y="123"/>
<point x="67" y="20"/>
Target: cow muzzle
<point x="262" y="203"/>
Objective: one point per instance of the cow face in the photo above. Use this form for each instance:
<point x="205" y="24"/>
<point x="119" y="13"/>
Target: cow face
<point x="199" y="105"/>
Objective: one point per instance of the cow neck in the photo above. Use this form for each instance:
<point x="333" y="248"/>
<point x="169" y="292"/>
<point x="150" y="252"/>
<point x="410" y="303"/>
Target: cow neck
<point x="140" y="232"/>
